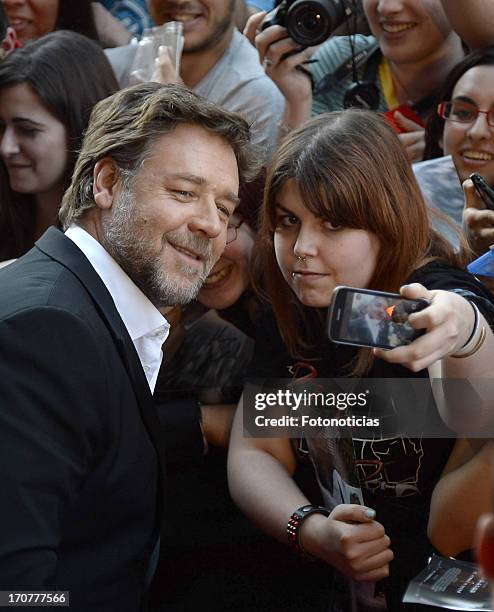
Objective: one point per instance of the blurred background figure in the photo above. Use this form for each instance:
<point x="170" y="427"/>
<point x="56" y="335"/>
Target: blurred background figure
<point x="47" y="92"/>
<point x="397" y="69"/>
<point x="34" y="18"/>
<point x="463" y="127"/>
<point x="8" y="36"/>
<point x="133" y="14"/>
<point x="217" y="62"/>
<point x="485" y="546"/>
<point x="476" y="27"/>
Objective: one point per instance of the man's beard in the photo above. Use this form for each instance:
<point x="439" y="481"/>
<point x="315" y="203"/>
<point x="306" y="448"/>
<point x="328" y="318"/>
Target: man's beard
<point x="129" y="241"/>
<point x="219" y="27"/>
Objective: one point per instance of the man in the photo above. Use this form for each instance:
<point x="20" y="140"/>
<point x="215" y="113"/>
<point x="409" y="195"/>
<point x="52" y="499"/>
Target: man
<point x="217" y="62"/>
<point x="146" y="218"/>
<point x="8" y="38"/>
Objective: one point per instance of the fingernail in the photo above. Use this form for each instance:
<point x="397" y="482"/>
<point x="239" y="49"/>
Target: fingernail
<point x="369" y="513"/>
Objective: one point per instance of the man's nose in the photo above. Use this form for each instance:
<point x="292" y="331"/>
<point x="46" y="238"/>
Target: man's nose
<point x="206" y="219"/>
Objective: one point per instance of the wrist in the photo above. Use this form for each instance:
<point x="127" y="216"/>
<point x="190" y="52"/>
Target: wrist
<point x="297" y="111"/>
<point x="311" y="534"/>
<point x="476" y="337"/>
<point x="298" y="522"/>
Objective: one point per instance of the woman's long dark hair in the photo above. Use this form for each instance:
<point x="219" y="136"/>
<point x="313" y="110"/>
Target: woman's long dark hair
<point x="352" y="170"/>
<point x="435" y="125"/>
<point x="70" y="74"/>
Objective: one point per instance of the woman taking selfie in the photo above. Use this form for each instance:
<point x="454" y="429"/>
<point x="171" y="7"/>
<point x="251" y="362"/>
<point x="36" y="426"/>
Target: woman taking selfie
<point x="47" y="92"/>
<point x="342" y="208"/>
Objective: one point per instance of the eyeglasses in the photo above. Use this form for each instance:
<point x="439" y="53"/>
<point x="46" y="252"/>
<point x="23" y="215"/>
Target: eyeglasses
<point x="233" y="224"/>
<point x="463" y="112"/>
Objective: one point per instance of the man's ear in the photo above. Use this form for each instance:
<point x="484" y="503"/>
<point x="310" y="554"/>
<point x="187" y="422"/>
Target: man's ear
<point x="105" y="182"/>
<point x="10" y="41"/>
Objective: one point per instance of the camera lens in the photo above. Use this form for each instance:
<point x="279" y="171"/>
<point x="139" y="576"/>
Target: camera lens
<point x="310" y="22"/>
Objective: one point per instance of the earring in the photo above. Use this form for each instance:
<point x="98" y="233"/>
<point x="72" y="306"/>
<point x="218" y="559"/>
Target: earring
<point x="300" y="258"/>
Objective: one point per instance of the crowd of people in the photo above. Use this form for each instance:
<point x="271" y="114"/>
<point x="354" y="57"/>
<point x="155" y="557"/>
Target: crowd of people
<point x="164" y="244"/>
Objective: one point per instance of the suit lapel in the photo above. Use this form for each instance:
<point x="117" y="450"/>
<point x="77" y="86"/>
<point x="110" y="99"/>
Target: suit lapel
<point x="60" y="248"/>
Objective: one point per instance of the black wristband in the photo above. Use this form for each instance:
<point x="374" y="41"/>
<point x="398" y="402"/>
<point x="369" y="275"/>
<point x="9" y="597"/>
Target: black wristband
<point x="295" y="523"/>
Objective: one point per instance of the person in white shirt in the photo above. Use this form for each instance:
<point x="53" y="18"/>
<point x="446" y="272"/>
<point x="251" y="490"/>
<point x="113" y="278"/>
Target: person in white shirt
<point x="81" y="331"/>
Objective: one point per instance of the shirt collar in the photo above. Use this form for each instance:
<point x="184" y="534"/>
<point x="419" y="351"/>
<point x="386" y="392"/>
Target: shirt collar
<point x="139" y="315"/>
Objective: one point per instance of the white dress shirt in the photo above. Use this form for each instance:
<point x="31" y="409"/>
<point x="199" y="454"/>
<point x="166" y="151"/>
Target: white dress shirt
<point x="147" y="327"/>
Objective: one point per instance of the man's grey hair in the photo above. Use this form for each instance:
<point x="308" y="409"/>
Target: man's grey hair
<point x="126" y="125"/>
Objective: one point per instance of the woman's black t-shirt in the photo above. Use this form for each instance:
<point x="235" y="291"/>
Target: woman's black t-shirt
<point x="396" y="475"/>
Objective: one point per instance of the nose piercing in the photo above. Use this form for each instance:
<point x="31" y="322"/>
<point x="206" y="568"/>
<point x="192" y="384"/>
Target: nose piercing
<point x="300" y="258"/>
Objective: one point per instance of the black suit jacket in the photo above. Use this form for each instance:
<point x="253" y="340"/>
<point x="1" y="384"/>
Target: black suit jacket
<point x="80" y="464"/>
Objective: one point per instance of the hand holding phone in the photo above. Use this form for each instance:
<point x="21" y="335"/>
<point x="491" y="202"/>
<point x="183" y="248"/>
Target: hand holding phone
<point x="484" y="190"/>
<point x="361" y="317"/>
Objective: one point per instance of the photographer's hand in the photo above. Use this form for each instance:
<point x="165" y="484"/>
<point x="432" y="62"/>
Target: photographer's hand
<point x="478" y="222"/>
<point x="281" y="58"/>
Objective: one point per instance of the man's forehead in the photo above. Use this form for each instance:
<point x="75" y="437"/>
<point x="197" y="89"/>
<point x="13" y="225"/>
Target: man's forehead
<point x="191" y="153"/>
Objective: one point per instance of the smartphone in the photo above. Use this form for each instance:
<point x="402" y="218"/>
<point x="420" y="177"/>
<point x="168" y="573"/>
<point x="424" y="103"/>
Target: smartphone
<point x="362" y="317"/>
<point x="484" y="190"/>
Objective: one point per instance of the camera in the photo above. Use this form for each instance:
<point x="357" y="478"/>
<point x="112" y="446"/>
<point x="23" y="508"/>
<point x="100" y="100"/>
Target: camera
<point x="309" y="22"/>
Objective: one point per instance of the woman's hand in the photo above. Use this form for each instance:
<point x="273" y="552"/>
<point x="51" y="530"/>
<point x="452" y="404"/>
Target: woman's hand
<point x="449" y="322"/>
<point x="273" y="45"/>
<point x="350" y="540"/>
<point x="413" y="139"/>
<point x="478" y="222"/>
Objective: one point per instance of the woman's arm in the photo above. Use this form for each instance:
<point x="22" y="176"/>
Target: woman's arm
<point x="476" y="27"/>
<point x="259" y="473"/>
<point x="461" y="496"/>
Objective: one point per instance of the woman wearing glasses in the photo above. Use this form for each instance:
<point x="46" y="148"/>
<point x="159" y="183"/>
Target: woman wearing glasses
<point x="464" y="128"/>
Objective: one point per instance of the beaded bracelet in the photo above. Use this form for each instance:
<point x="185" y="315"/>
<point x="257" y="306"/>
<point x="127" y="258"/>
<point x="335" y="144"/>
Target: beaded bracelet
<point x="295" y="523"/>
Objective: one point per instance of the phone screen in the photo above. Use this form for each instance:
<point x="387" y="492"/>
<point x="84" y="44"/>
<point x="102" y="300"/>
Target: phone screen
<point x="373" y="319"/>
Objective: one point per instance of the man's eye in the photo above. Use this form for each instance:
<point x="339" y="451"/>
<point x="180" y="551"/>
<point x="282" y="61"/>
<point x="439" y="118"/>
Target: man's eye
<point x="225" y="213"/>
<point x="184" y="195"/>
